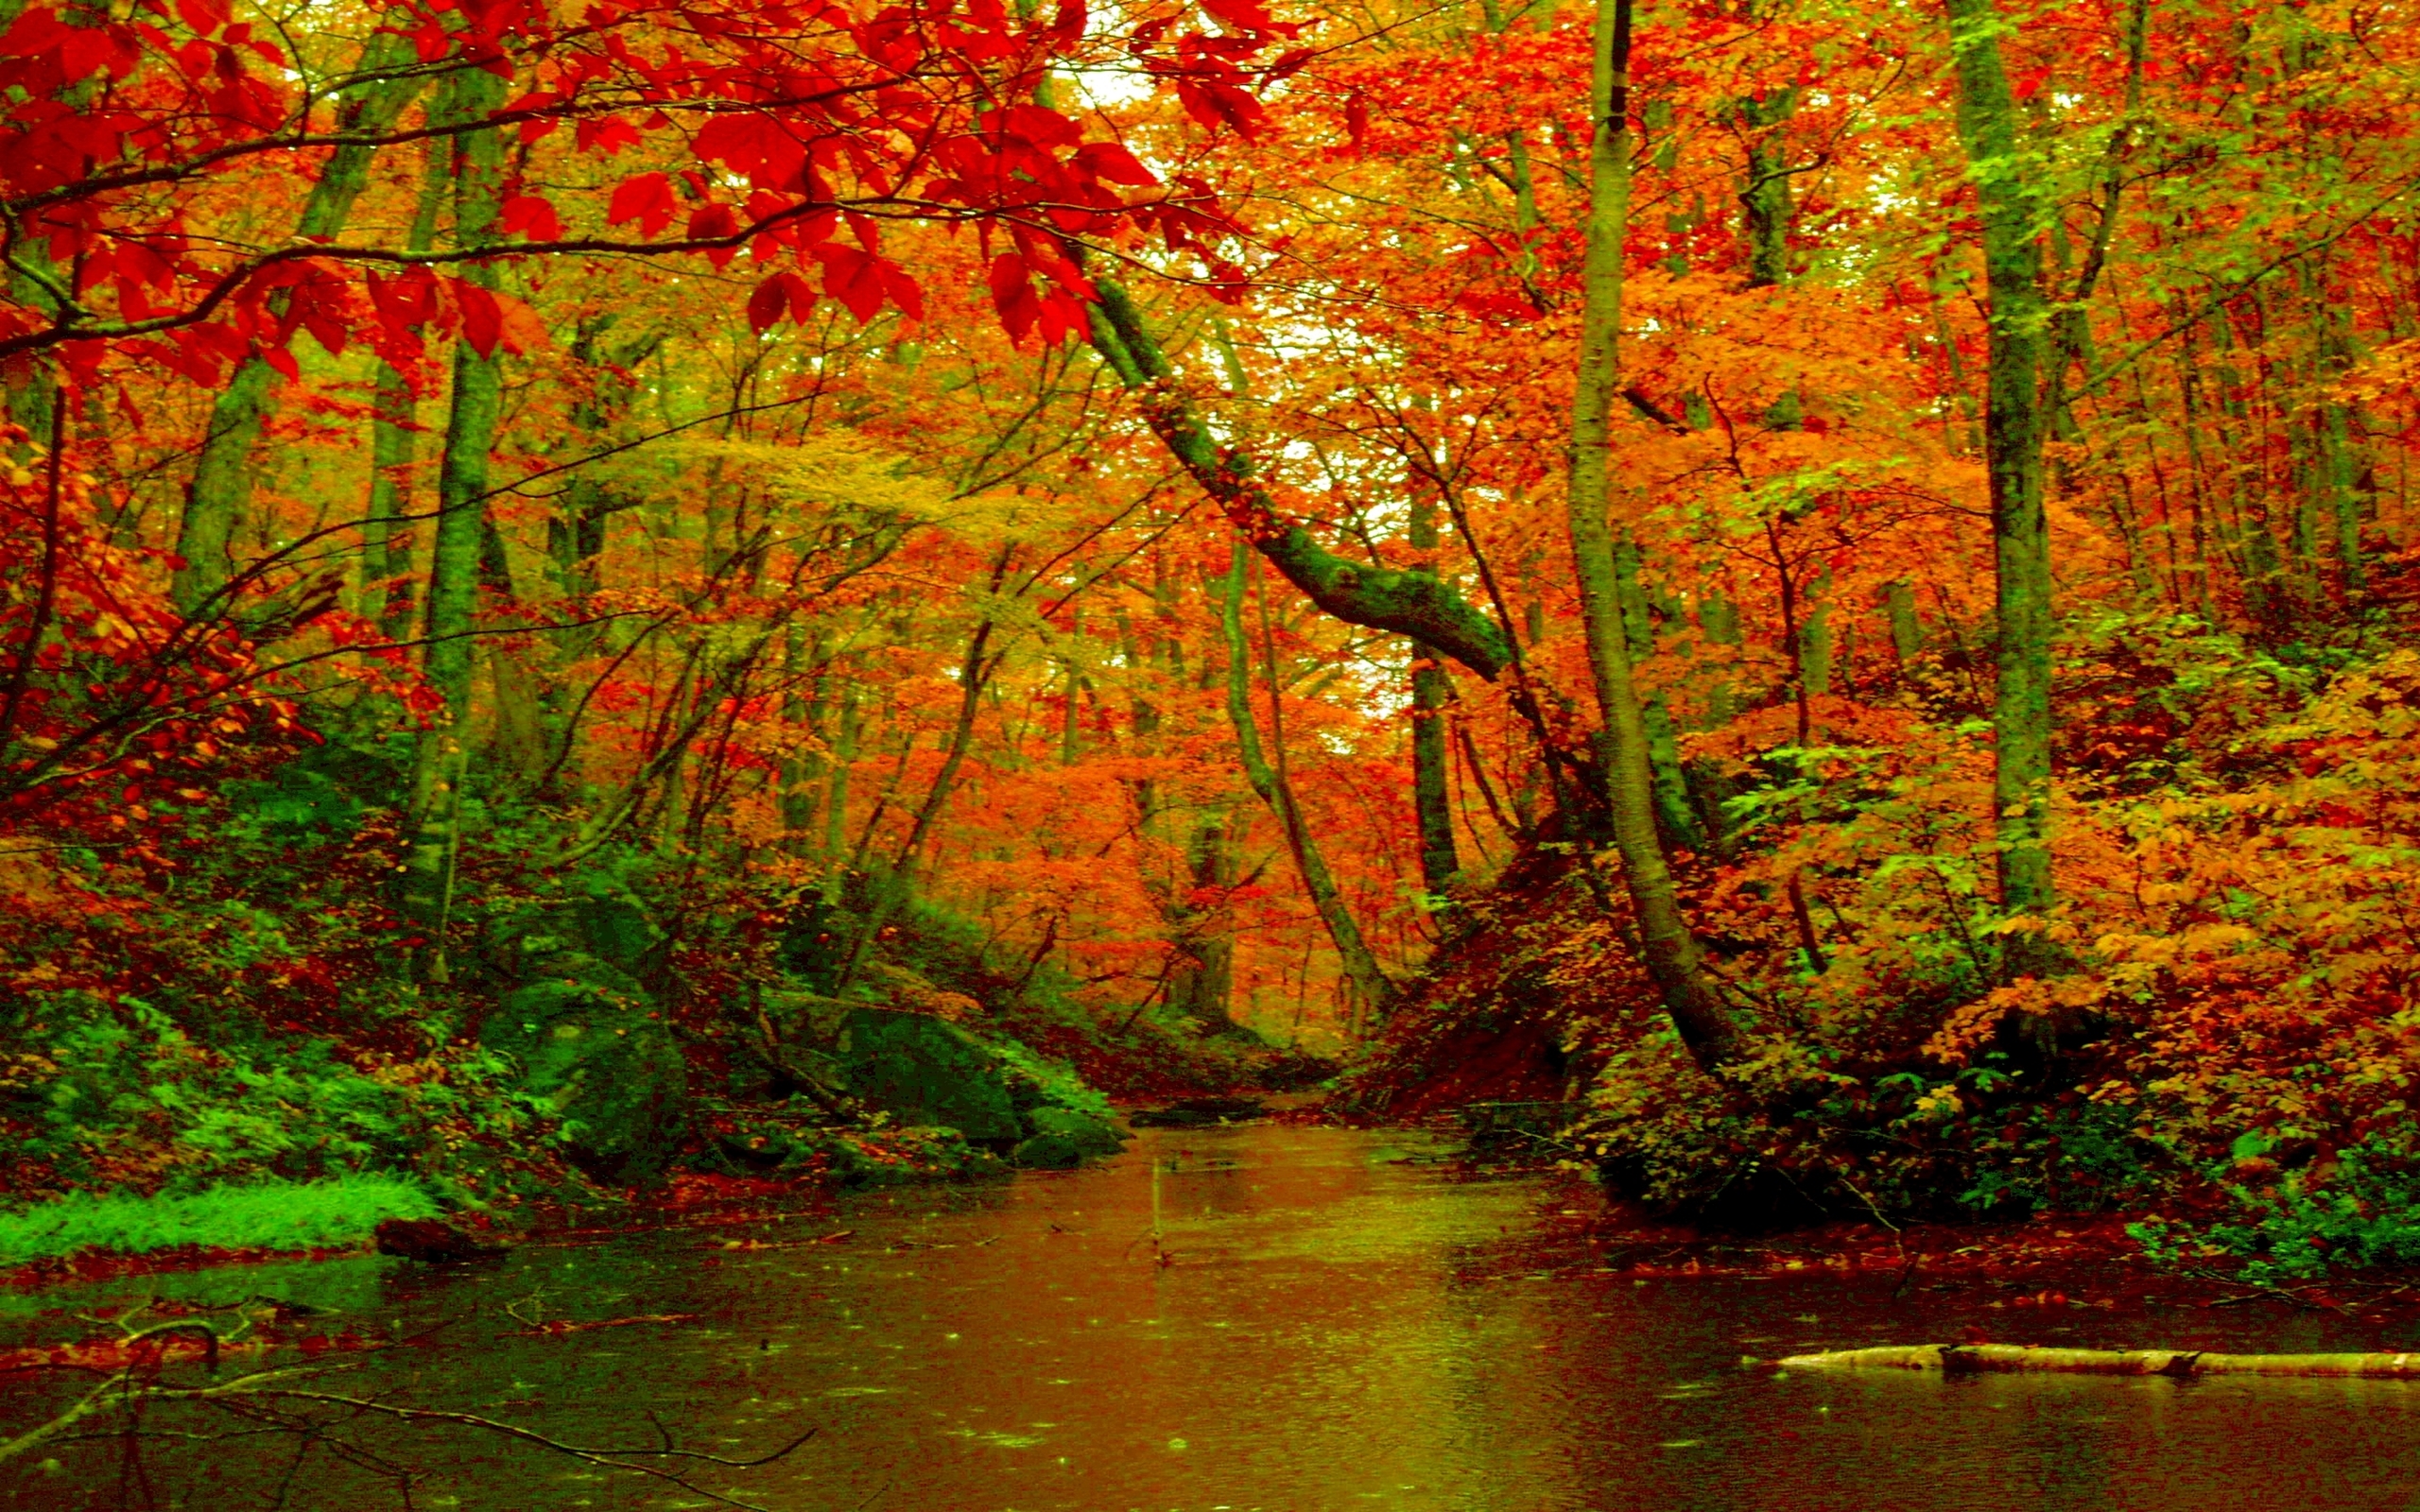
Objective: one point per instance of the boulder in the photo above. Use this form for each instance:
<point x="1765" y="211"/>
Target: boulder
<point x="1089" y="1135"/>
<point x="922" y="1070"/>
<point x="430" y="1240"/>
<point x="612" y="924"/>
<point x="1048" y="1152"/>
<point x="589" y="1044"/>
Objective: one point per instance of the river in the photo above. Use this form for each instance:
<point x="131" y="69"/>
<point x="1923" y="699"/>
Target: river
<point x="1344" y="1321"/>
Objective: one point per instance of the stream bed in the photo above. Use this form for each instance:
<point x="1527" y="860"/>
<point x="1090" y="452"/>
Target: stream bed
<point x="1344" y="1320"/>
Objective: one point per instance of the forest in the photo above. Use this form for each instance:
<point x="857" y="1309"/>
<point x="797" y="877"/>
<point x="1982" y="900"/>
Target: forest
<point x="1806" y="610"/>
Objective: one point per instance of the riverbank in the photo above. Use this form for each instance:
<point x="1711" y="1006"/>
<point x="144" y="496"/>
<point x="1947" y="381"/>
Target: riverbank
<point x="2046" y="1270"/>
<point x="2014" y="1273"/>
<point x="93" y="1239"/>
<point x="162" y="1234"/>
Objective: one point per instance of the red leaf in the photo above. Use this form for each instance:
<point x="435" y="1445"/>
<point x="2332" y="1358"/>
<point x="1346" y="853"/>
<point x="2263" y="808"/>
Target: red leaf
<point x="1013" y="295"/>
<point x="648" y="200"/>
<point x="531" y="217"/>
<point x="1238" y="15"/>
<point x="202" y="16"/>
<point x="765" y="306"/>
<point x="608" y="134"/>
<point x="1290" y="63"/>
<point x="482" y="317"/>
<point x="1110" y="160"/>
<point x="713" y="222"/>
<point x="853" y="278"/>
<point x="1214" y="104"/>
<point x="905" y="292"/>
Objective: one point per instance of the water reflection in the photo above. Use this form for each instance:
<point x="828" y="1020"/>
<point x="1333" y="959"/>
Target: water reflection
<point x="1346" y="1325"/>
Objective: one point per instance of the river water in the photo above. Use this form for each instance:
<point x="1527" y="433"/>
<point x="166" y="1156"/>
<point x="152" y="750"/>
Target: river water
<point x="1343" y="1322"/>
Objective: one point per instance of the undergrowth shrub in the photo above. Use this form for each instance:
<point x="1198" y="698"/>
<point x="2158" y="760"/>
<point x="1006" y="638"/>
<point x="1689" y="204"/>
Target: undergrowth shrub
<point x="2240" y="887"/>
<point x="2357" y="1208"/>
<point x="120" y="1098"/>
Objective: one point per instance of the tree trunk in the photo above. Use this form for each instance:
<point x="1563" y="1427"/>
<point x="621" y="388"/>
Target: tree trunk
<point x="836" y="787"/>
<point x="222" y="474"/>
<point x="454" y="557"/>
<point x="517" y="744"/>
<point x="1764" y="188"/>
<point x="2008" y="190"/>
<point x="1202" y="990"/>
<point x="801" y="707"/>
<point x="1907" y="630"/>
<point x="1666" y="944"/>
<point x="1674" y="807"/>
<point x="1431" y="694"/>
<point x="1369" y="984"/>
<point x="394" y="432"/>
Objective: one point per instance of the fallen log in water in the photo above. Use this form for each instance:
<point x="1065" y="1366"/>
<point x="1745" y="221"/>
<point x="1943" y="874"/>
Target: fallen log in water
<point x="1955" y="1359"/>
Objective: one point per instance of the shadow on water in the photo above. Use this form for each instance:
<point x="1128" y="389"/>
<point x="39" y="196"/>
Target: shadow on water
<point x="1343" y="1325"/>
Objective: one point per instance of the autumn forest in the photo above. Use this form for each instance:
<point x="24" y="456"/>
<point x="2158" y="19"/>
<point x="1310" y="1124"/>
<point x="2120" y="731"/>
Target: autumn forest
<point x="1806" y="611"/>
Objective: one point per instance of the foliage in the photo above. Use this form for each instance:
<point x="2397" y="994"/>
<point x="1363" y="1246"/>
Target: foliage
<point x="2357" y="1208"/>
<point x="809" y="615"/>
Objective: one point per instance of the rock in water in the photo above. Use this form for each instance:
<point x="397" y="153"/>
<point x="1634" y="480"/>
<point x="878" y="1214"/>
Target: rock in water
<point x="922" y="1070"/>
<point x="1170" y="1118"/>
<point x="1048" y="1152"/>
<point x="1199" y="1112"/>
<point x="1229" y="1107"/>
<point x="432" y="1240"/>
<point x="588" y="1043"/>
<point x="1089" y="1135"/>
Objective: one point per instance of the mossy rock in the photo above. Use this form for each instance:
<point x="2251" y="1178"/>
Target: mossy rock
<point x="758" y="1149"/>
<point x="589" y="1044"/>
<point x="1089" y="1135"/>
<point x="922" y="1072"/>
<point x="911" y="1156"/>
<point x="612" y="923"/>
<point x="1048" y="1152"/>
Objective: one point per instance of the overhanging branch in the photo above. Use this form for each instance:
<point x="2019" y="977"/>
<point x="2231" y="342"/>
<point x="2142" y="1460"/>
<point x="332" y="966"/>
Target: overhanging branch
<point x="1380" y="599"/>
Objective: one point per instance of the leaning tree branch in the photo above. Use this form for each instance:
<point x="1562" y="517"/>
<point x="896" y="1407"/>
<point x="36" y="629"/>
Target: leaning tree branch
<point x="1380" y="599"/>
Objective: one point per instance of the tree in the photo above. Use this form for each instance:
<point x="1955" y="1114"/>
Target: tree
<point x="2007" y="188"/>
<point x="1667" y="944"/>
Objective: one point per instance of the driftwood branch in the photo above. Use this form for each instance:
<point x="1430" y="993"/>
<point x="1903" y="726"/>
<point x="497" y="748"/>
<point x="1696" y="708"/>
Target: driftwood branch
<point x="1955" y="1359"/>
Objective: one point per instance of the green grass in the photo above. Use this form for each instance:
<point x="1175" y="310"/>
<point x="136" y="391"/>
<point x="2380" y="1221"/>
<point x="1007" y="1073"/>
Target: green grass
<point x="283" y="1215"/>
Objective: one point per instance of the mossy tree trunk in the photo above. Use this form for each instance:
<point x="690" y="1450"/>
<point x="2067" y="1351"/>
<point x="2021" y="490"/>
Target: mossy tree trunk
<point x="1667" y="947"/>
<point x="1432" y="694"/>
<point x="1382" y="598"/>
<point x="394" y="435"/>
<point x="1203" y="988"/>
<point x="1674" y="808"/>
<point x="454" y="567"/>
<point x="2008" y="192"/>
<point x="1765" y="208"/>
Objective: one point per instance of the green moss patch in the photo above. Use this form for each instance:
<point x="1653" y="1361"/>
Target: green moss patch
<point x="275" y="1216"/>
